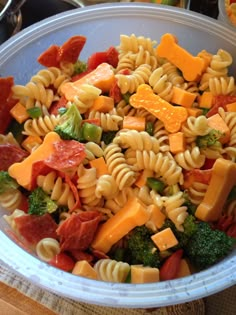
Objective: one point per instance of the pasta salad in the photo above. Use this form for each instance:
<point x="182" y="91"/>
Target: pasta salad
<point x="122" y="168"/>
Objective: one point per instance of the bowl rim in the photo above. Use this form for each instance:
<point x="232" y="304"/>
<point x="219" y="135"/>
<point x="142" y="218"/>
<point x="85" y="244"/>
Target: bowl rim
<point x="202" y="284"/>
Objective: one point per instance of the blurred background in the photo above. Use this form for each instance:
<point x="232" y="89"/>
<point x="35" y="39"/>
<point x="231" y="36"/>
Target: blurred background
<point x="18" y="14"/>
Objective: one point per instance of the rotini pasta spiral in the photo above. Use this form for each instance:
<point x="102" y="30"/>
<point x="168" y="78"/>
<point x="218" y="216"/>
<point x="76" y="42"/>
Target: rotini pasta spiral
<point x="125" y="62"/>
<point x="137" y="141"/>
<point x="11" y="199"/>
<point x="195" y="126"/>
<point x="124" y="109"/>
<point x="106" y="187"/>
<point x="86" y="184"/>
<point x="222" y="86"/>
<point x="47" y="248"/>
<point x="144" y="57"/>
<point x="173" y="74"/>
<point x="129" y="83"/>
<point x="59" y="191"/>
<point x="118" y="167"/>
<point x="111" y="270"/>
<point x="133" y="42"/>
<point x="93" y="151"/>
<point x="32" y="92"/>
<point x="190" y="158"/>
<point x="108" y="121"/>
<point x="50" y="76"/>
<point x="10" y="219"/>
<point x="158" y="80"/>
<point x="86" y="95"/>
<point x="161" y="164"/>
<point x="119" y="200"/>
<point x="196" y="192"/>
<point x="175" y="210"/>
<point x="40" y="126"/>
<point x="161" y="134"/>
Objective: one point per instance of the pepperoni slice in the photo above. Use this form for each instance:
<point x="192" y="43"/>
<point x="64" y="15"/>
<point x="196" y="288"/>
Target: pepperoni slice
<point x="6" y="102"/>
<point x="33" y="228"/>
<point x="70" y="50"/>
<point x="49" y="58"/>
<point x="220" y="101"/>
<point x="67" y="154"/>
<point x="77" y="232"/>
<point x="10" y="154"/>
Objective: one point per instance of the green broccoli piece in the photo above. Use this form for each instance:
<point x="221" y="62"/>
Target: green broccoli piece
<point x="79" y="67"/>
<point x="189" y="228"/>
<point x="141" y="247"/>
<point x="7" y="182"/>
<point x="40" y="203"/>
<point x="211" y="139"/>
<point x="108" y="136"/>
<point x="206" y="246"/>
<point x="69" y="127"/>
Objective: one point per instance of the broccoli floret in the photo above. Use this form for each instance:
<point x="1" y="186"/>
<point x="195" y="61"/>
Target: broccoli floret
<point x="206" y="246"/>
<point x="79" y="67"/>
<point x="40" y="203"/>
<point x="211" y="139"/>
<point x="142" y="249"/>
<point x="69" y="127"/>
<point x="7" y="182"/>
<point x="189" y="228"/>
<point x="108" y="136"/>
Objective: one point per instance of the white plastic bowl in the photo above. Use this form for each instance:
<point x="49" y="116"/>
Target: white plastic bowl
<point x="223" y="16"/>
<point x="103" y="24"/>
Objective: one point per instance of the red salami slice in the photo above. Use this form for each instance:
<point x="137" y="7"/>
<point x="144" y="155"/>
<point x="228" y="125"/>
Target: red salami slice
<point x="77" y="232"/>
<point x="10" y="154"/>
<point x="67" y="154"/>
<point x="80" y="255"/>
<point x="49" y="57"/>
<point x="70" y="50"/>
<point x="6" y="102"/>
<point x="33" y="228"/>
<point x="220" y="101"/>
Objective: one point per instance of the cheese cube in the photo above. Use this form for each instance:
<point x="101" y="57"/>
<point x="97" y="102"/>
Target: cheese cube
<point x="164" y="239"/>
<point x="84" y="269"/>
<point x="143" y="274"/>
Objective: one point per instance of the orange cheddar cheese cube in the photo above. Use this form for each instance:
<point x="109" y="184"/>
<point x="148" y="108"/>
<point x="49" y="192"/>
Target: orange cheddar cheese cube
<point x="156" y="216"/>
<point x="31" y="142"/>
<point x="84" y="269"/>
<point x="19" y="112"/>
<point x="22" y="171"/>
<point x="164" y="239"/>
<point x="103" y="104"/>
<point x="217" y="123"/>
<point x="195" y="112"/>
<point x="206" y="100"/>
<point x="142" y="179"/>
<point x="133" y="214"/>
<point x="100" y="165"/>
<point x="182" y="97"/>
<point x="184" y="269"/>
<point x="177" y="142"/>
<point x="231" y="107"/>
<point x="223" y="179"/>
<point x="134" y="123"/>
<point x="143" y="274"/>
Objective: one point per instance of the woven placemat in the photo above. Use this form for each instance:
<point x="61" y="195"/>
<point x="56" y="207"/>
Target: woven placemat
<point x="223" y="303"/>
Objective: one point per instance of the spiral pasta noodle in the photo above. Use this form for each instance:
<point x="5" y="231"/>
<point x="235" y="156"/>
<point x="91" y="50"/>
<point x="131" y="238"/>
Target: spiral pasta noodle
<point x="118" y="167"/>
<point x="59" y="191"/>
<point x="196" y="192"/>
<point x="160" y="84"/>
<point x="40" y="126"/>
<point x="175" y="210"/>
<point x="195" y="126"/>
<point x="111" y="270"/>
<point x="11" y="199"/>
<point x="10" y="219"/>
<point x="222" y="86"/>
<point x="119" y="200"/>
<point x="161" y="134"/>
<point x="137" y="141"/>
<point x="93" y="151"/>
<point x="86" y="184"/>
<point x="129" y="83"/>
<point x="107" y="121"/>
<point x="133" y="42"/>
<point x="106" y="187"/>
<point x="47" y="248"/>
<point x="163" y="165"/>
<point x="190" y="158"/>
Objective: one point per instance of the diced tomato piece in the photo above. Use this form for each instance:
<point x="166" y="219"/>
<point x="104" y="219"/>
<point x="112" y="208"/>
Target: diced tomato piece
<point x="49" y="58"/>
<point x="112" y="56"/>
<point x="62" y="261"/>
<point x="24" y="204"/>
<point x="220" y="101"/>
<point x="70" y="50"/>
<point x="170" y="268"/>
<point x="224" y="223"/>
<point x="208" y="164"/>
<point x="96" y="59"/>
